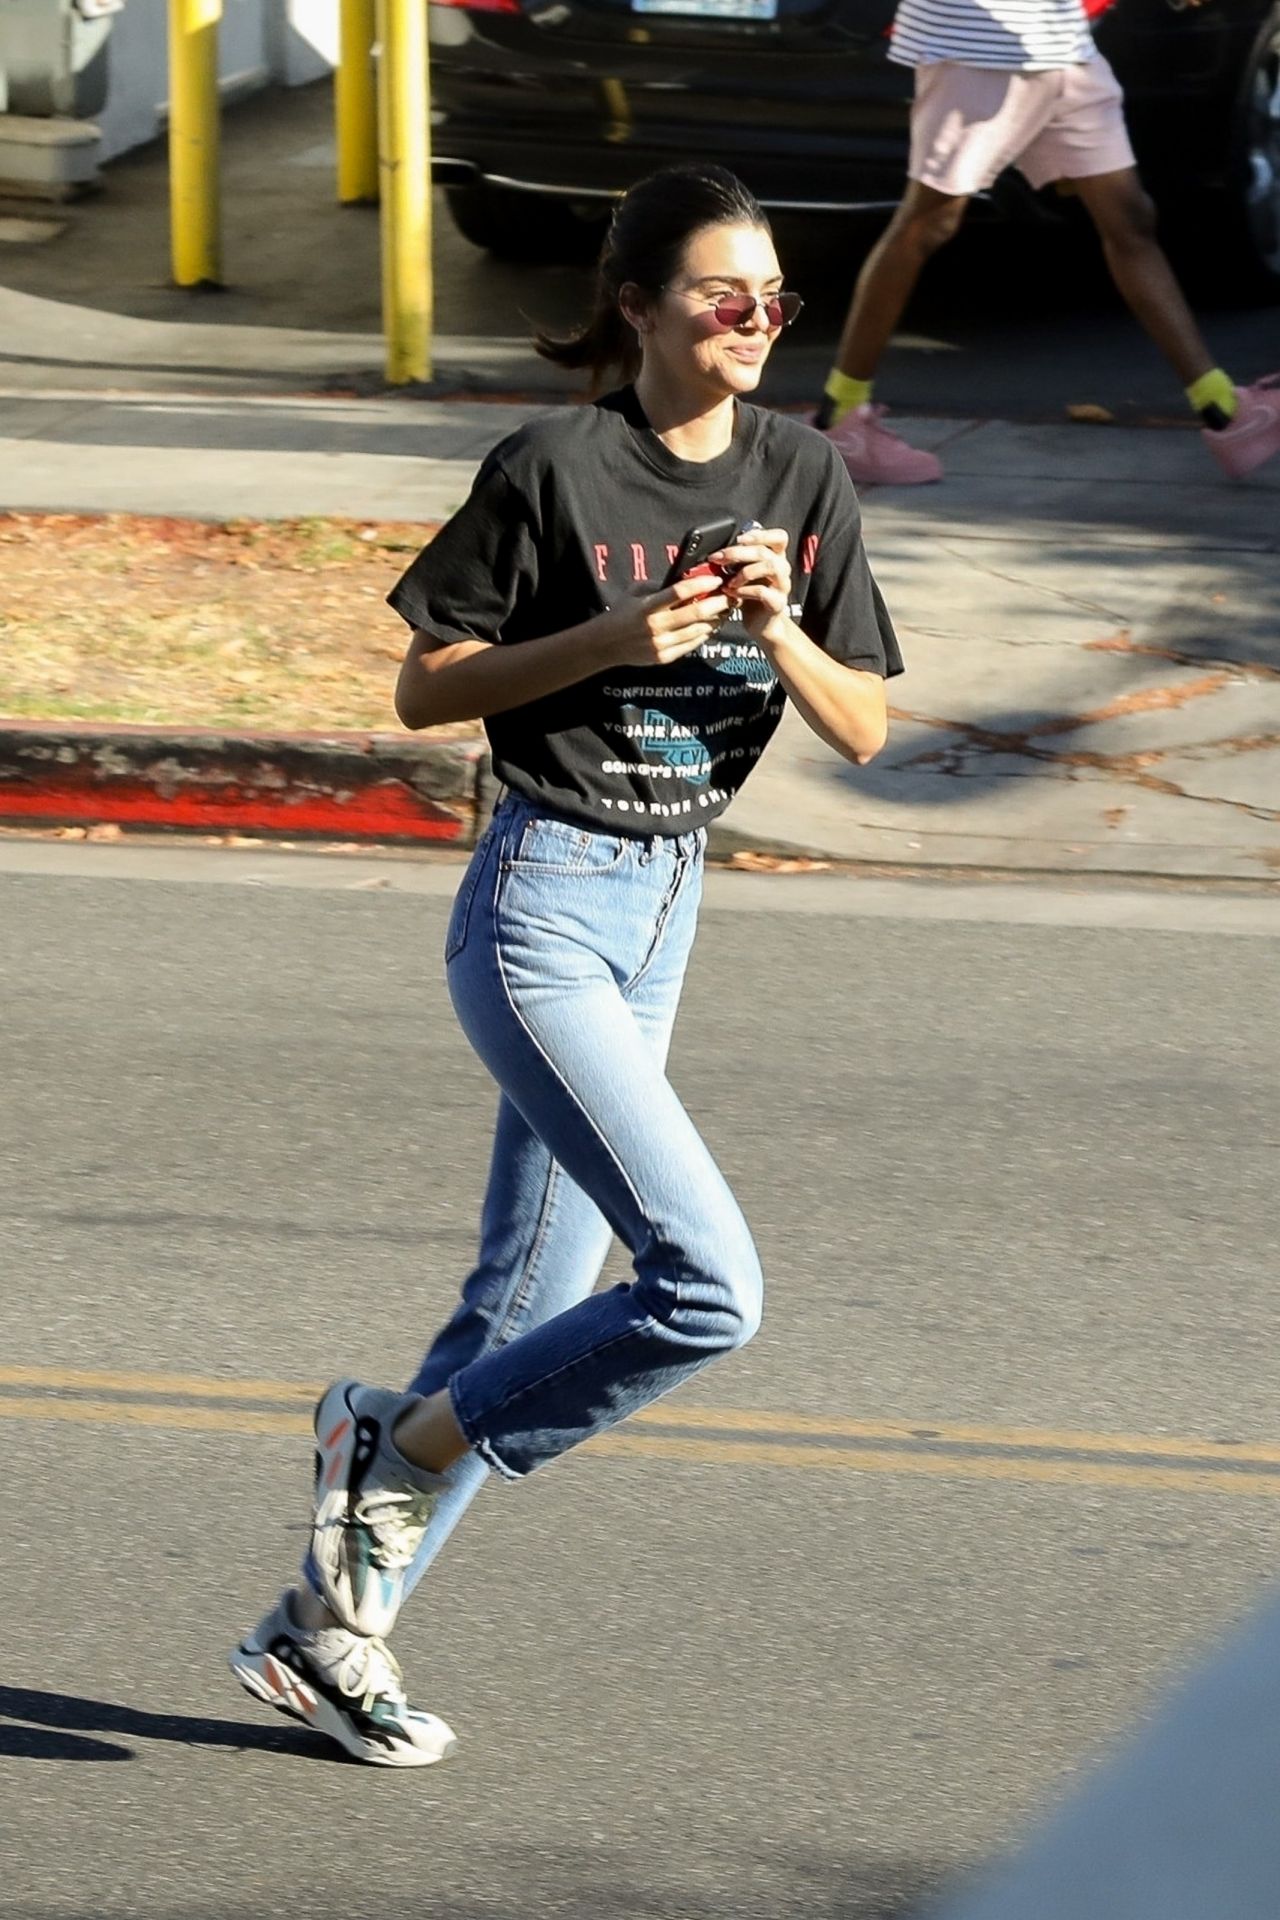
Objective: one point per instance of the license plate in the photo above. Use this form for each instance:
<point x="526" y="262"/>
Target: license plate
<point x="711" y="9"/>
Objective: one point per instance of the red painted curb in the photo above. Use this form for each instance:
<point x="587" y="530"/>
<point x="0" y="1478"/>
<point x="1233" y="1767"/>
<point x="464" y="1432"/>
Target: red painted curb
<point x="342" y="786"/>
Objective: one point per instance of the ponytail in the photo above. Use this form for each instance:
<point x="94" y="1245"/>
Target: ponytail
<point x="606" y="341"/>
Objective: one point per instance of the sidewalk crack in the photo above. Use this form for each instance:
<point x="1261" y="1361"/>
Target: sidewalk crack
<point x="1032" y="586"/>
<point x="958" y="760"/>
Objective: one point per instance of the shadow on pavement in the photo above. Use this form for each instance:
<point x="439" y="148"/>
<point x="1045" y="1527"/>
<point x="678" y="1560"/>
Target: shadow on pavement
<point x="243" y="376"/>
<point x="1170" y="589"/>
<point x="167" y="1221"/>
<point x="878" y="1889"/>
<point x="61" y="1718"/>
<point x="38" y="1743"/>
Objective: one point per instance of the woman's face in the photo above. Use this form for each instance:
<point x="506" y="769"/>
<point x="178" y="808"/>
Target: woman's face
<point x="680" y="334"/>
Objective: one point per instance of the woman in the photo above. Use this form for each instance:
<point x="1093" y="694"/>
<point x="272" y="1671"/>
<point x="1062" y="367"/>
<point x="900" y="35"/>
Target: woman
<point x="622" y="715"/>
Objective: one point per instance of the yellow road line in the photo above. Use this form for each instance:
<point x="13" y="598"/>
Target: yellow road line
<point x="963" y="1466"/>
<point x="196" y="1386"/>
<point x="144" y="1413"/>
<point x="677" y="1414"/>
<point x="705" y="1451"/>
<point x="953" y="1433"/>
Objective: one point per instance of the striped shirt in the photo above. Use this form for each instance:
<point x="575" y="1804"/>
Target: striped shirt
<point x="1027" y="35"/>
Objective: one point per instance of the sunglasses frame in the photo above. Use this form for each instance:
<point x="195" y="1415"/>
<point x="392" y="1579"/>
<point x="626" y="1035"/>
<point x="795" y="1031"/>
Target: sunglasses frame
<point x="736" y="300"/>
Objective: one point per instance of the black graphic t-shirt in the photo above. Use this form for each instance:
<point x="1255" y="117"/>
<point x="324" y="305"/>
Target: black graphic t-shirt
<point x="587" y="505"/>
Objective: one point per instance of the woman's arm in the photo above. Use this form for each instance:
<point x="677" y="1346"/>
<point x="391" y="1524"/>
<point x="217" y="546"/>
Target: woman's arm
<point x="845" y="706"/>
<point x="442" y="680"/>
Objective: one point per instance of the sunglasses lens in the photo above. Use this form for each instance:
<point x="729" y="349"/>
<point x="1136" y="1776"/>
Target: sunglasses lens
<point x="779" y="311"/>
<point x="734" y="313"/>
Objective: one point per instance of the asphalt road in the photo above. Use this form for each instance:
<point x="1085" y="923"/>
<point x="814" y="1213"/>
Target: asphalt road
<point x="808" y="1642"/>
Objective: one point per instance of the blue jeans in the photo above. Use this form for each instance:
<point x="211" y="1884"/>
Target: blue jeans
<point x="566" y="953"/>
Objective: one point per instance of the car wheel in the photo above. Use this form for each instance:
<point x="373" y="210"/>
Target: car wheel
<point x="523" y="226"/>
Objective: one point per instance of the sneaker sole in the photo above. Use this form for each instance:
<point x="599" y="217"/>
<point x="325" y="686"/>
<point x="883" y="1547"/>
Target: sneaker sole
<point x="268" y="1681"/>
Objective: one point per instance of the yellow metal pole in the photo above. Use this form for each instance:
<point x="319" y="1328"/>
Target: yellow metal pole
<point x="355" y="104"/>
<point x="404" y="167"/>
<point x="195" y="212"/>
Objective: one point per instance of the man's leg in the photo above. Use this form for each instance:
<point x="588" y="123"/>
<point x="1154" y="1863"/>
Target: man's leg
<point x="925" y="221"/>
<point x="1241" y="424"/>
<point x="1122" y="211"/>
<point x="967" y="125"/>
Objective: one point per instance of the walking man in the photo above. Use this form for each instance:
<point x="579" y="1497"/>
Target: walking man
<point x="1004" y="83"/>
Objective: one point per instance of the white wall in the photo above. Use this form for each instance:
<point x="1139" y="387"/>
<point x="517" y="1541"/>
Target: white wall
<point x="260" y="40"/>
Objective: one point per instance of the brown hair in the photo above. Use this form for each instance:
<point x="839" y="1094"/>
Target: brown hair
<point x="651" y="226"/>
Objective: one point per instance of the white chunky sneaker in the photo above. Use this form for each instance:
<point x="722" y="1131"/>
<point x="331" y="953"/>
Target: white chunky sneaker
<point x="367" y="1527"/>
<point x="344" y="1685"/>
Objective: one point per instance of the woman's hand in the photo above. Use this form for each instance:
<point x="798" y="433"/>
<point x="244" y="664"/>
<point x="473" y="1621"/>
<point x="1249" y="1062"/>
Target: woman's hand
<point x="761" y="588"/>
<point x="662" y="627"/>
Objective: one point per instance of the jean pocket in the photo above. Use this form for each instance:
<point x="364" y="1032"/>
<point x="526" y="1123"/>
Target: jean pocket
<point x="557" y="846"/>
<point x="460" y="918"/>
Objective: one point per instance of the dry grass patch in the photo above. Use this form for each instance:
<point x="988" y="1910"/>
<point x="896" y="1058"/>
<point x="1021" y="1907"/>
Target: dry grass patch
<point x="276" y="626"/>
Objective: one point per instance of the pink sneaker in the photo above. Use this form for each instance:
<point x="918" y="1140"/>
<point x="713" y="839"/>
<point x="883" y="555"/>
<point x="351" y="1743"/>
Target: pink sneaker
<point x="1253" y="435"/>
<point x="877" y="458"/>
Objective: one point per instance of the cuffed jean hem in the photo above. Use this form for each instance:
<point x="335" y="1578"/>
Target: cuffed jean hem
<point x="477" y="1441"/>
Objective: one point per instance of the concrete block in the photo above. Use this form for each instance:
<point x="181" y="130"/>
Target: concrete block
<point x="47" y="159"/>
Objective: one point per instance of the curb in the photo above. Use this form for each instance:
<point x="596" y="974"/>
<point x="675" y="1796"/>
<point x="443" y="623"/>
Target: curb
<point x="347" y="786"/>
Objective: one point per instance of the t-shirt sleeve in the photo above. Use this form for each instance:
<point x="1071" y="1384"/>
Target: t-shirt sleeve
<point x="481" y="568"/>
<point x="844" y="610"/>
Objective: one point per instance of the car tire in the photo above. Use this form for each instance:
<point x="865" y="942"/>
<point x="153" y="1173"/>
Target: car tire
<point x="526" y="227"/>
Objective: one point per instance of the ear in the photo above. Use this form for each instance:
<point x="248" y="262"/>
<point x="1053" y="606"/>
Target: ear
<point x="633" y="304"/>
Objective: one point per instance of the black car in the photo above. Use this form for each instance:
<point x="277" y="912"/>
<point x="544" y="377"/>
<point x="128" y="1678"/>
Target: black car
<point x="545" y="110"/>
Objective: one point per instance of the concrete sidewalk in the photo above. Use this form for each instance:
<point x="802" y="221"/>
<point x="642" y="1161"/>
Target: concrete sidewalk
<point x="1090" y="615"/>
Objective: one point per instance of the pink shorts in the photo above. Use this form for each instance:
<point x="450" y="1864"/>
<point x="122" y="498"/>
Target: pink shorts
<point x="969" y="123"/>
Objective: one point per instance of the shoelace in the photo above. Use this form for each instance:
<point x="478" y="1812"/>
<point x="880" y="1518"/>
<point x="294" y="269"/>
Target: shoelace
<point x="369" y="1671"/>
<point x="396" y="1518"/>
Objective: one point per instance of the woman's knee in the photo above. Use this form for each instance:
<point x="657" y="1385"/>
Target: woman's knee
<point x="715" y="1303"/>
<point x="749" y="1302"/>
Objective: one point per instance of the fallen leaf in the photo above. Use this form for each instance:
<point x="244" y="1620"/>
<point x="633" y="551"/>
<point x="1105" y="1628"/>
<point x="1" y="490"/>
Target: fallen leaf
<point x="777" y="863"/>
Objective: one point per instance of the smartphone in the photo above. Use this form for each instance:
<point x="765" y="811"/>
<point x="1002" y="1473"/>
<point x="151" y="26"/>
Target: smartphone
<point x="697" y="544"/>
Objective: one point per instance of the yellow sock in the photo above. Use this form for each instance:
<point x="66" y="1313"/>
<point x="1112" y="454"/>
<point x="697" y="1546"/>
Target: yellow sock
<point x="843" y="393"/>
<point x="1213" y="395"/>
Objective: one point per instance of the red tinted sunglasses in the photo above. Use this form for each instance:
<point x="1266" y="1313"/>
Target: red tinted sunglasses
<point x="780" y="309"/>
